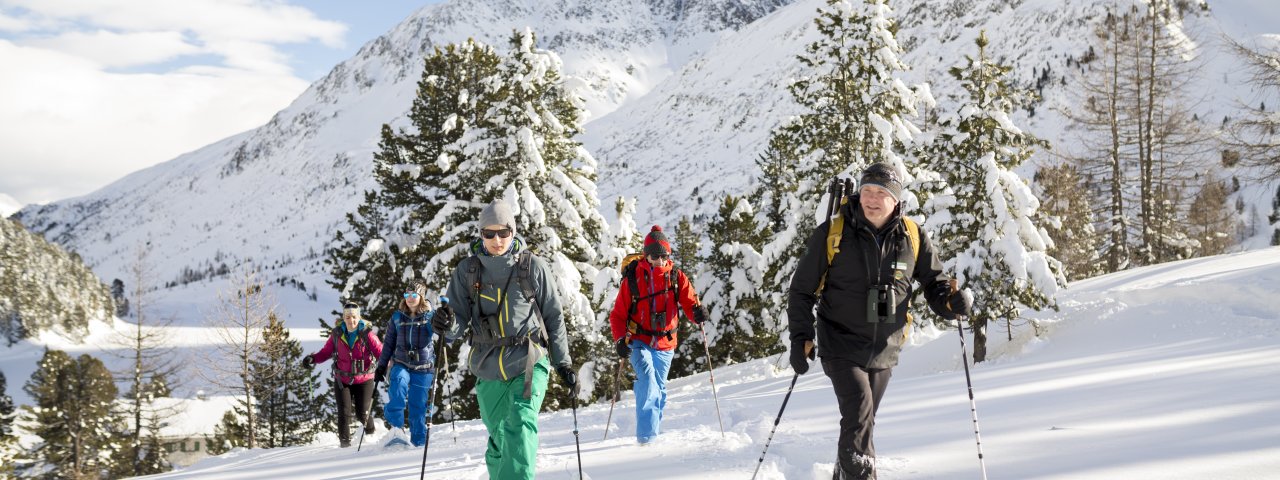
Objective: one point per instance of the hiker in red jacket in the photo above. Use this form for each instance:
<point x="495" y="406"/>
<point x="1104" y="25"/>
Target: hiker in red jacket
<point x="355" y="347"/>
<point x="644" y="321"/>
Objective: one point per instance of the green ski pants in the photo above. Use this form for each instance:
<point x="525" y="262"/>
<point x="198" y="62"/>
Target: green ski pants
<point x="512" y="422"/>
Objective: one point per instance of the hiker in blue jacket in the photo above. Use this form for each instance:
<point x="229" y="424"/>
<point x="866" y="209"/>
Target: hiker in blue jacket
<point x="408" y="349"/>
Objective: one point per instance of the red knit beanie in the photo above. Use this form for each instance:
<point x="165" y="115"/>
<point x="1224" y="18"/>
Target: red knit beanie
<point x="655" y="243"/>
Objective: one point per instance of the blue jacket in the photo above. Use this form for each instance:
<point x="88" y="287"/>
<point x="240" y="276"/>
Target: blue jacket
<point x="407" y="334"/>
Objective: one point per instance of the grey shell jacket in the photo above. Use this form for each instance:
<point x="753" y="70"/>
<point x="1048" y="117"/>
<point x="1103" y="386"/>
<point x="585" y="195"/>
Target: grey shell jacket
<point x="866" y="257"/>
<point x="518" y="318"/>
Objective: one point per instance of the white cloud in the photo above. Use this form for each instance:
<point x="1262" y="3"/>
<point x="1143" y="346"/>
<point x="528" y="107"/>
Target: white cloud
<point x="115" y="50"/>
<point x="74" y="121"/>
<point x="11" y="24"/>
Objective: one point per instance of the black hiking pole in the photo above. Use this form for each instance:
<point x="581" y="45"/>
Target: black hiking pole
<point x="448" y="395"/>
<point x="616" y="393"/>
<point x="427" y="444"/>
<point x="775" y="424"/>
<point x="973" y="404"/>
<point x="711" y="369"/>
<point x="368" y="416"/>
<point x="577" y="446"/>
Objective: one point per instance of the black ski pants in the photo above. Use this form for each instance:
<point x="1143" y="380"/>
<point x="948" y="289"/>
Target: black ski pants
<point x="858" y="392"/>
<point x="362" y="394"/>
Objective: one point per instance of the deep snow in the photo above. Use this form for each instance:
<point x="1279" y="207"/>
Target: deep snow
<point x="1162" y="372"/>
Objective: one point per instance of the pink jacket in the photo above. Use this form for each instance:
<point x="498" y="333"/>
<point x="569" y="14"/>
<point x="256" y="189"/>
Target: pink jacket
<point x="352" y="363"/>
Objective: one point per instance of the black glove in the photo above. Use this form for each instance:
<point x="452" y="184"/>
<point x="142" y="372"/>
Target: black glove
<point x="442" y="320"/>
<point x="380" y="374"/>
<point x="570" y="378"/>
<point x="799" y="360"/>
<point x="309" y="362"/>
<point x="623" y="349"/>
<point x="960" y="304"/>
<point x="699" y="314"/>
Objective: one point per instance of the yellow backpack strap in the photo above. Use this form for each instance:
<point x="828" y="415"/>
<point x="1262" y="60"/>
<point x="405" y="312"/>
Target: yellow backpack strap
<point x="834" y="232"/>
<point x="913" y="234"/>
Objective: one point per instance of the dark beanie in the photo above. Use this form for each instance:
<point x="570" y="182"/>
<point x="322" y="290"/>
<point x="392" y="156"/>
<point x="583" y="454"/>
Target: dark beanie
<point x="655" y="243"/>
<point x="882" y="175"/>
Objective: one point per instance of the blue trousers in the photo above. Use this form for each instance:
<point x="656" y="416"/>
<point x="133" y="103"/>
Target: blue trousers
<point x="407" y="387"/>
<point x="651" y="367"/>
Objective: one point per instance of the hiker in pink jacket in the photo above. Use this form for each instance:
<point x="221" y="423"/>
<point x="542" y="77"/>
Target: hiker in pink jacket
<point x="355" y="348"/>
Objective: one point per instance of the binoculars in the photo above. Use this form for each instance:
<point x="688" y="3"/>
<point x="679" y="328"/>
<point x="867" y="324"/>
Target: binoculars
<point x="882" y="304"/>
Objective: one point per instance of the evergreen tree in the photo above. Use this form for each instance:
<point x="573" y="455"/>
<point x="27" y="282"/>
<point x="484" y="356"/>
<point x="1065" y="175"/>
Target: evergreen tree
<point x="284" y="393"/>
<point x="523" y="150"/>
<point x="1256" y="135"/>
<point x="1213" y="225"/>
<point x="9" y="448"/>
<point x="228" y="434"/>
<point x="1066" y="207"/>
<point x="73" y="416"/>
<point x="736" y="300"/>
<point x="117" y="294"/>
<point x="982" y="216"/>
<point x="777" y="181"/>
<point x="856" y="111"/>
<point x="395" y="232"/>
<point x="689" y="355"/>
<point x="6" y="412"/>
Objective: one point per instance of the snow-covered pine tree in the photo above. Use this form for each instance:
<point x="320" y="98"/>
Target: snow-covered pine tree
<point x="72" y="416"/>
<point x="624" y="238"/>
<point x="689" y="355"/>
<point x="1211" y="221"/>
<point x="733" y="289"/>
<point x="393" y="234"/>
<point x="8" y="438"/>
<point x="982" y="217"/>
<point x="777" y="181"/>
<point x="856" y="111"/>
<point x="523" y="151"/>
<point x="229" y="433"/>
<point x="285" y="390"/>
<point x="1064" y="202"/>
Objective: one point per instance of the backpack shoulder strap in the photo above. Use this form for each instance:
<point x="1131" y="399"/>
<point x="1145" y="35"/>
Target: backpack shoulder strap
<point x="629" y="274"/>
<point x="835" y="232"/>
<point x="471" y="274"/>
<point x="913" y="234"/>
<point x="524" y="268"/>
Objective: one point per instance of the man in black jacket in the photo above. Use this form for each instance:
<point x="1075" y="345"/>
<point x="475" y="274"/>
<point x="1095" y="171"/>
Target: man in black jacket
<point x="862" y="316"/>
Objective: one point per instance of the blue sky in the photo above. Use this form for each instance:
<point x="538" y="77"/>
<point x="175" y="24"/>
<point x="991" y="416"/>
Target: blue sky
<point x="91" y="91"/>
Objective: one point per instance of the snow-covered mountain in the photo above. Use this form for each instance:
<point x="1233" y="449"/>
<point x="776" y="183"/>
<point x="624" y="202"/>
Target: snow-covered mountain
<point x="681" y="95"/>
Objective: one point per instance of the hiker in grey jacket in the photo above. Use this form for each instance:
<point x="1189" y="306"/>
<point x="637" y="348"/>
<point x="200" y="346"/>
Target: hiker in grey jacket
<point x="505" y="299"/>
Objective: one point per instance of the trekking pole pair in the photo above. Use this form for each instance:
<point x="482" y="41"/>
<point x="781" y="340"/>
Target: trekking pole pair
<point x="973" y="404"/>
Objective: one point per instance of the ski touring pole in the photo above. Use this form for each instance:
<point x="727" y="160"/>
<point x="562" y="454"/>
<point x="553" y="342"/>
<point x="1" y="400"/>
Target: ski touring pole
<point x="577" y="445"/>
<point x="444" y="301"/>
<point x="614" y="399"/>
<point x="448" y="395"/>
<point x="427" y="444"/>
<point x="368" y="415"/>
<point x="775" y="424"/>
<point x="973" y="404"/>
<point x="711" y="369"/>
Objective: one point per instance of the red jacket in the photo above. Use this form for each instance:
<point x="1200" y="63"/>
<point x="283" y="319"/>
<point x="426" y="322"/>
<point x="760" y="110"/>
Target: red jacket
<point x="666" y="301"/>
<point x="365" y="352"/>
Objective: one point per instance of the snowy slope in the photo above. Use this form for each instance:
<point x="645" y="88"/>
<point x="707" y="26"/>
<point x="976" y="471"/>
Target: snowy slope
<point x="682" y="97"/>
<point x="8" y="205"/>
<point x="1161" y="372"/>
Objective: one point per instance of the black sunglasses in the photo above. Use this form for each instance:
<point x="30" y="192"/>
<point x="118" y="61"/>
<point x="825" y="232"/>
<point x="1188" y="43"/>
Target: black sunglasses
<point x="489" y="234"/>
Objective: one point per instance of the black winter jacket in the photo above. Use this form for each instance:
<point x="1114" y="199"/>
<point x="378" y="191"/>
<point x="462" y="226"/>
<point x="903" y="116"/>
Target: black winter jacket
<point x="843" y="330"/>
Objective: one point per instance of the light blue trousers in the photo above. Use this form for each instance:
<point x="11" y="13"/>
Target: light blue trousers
<point x="651" y="367"/>
<point x="407" y="386"/>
